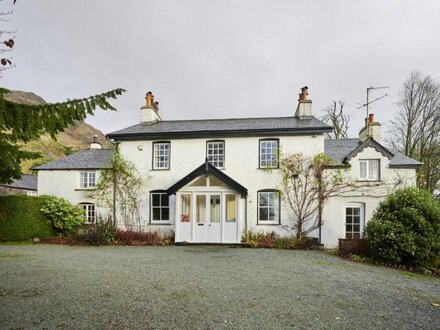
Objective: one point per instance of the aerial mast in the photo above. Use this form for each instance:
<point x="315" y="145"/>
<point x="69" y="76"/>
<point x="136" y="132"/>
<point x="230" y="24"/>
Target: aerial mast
<point x="366" y="105"/>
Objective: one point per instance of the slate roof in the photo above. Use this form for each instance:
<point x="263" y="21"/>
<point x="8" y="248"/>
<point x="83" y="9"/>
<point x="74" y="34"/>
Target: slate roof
<point x="340" y="149"/>
<point x="27" y="181"/>
<point x="222" y="127"/>
<point x="81" y="160"/>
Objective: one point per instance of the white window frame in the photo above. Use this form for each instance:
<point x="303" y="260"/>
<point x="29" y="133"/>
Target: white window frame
<point x="361" y="220"/>
<point x="89" y="212"/>
<point x="161" y="161"/>
<point x="277" y="207"/>
<point x="370" y="174"/>
<point x="213" y="149"/>
<point x="160" y="206"/>
<point x="273" y="154"/>
<point x="87" y="179"/>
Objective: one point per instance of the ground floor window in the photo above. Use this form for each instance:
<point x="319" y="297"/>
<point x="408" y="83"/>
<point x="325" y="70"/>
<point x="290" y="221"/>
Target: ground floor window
<point x="89" y="212"/>
<point x="268" y="207"/>
<point x="186" y="208"/>
<point x="160" y="207"/>
<point x="231" y="208"/>
<point x="353" y="222"/>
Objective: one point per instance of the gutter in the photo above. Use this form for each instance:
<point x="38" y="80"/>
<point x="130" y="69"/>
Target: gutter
<point x="210" y="134"/>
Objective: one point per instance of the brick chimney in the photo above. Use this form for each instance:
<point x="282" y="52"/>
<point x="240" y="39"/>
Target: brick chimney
<point x="304" y="108"/>
<point x="150" y="112"/>
<point x="370" y="130"/>
<point x="95" y="144"/>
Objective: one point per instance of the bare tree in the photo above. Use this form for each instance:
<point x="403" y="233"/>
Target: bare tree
<point x="6" y="41"/>
<point x="416" y="127"/>
<point x="335" y="116"/>
<point x="306" y="185"/>
<point x="120" y="189"/>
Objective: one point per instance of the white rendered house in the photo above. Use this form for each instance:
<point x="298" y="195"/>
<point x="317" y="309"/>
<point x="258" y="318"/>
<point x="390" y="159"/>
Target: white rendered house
<point x="208" y="179"/>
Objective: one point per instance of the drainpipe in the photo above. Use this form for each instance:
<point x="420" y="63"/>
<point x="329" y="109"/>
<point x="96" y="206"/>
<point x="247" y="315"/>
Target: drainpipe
<point x="245" y="219"/>
<point x="115" y="150"/>
<point x="114" y="198"/>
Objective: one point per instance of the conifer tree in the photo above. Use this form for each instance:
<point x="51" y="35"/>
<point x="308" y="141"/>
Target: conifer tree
<point x="25" y="122"/>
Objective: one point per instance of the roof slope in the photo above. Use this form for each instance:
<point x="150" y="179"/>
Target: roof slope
<point x="27" y="181"/>
<point x="84" y="159"/>
<point x="205" y="169"/>
<point x="341" y="149"/>
<point x="222" y="127"/>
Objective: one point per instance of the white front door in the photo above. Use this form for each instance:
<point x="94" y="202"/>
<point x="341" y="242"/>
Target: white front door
<point x="214" y="229"/>
<point x="200" y="220"/>
<point x="207" y="218"/>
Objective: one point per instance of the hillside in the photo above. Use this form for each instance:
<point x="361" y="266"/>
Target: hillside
<point x="74" y="138"/>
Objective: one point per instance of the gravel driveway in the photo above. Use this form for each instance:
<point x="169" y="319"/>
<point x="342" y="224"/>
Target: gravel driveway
<point x="206" y="287"/>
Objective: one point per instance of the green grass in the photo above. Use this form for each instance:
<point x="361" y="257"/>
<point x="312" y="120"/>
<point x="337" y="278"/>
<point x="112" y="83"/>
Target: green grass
<point x="16" y="243"/>
<point x="11" y="255"/>
<point x="323" y="262"/>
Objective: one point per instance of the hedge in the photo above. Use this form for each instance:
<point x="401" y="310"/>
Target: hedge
<point x="21" y="218"/>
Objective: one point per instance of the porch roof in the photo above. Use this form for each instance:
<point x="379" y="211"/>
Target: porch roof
<point x="206" y="169"/>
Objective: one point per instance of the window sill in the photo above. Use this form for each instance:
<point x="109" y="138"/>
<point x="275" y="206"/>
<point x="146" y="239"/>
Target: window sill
<point x="167" y="223"/>
<point x="268" y="168"/>
<point x="85" y="189"/>
<point x="268" y="224"/>
<point x="367" y="181"/>
<point x="160" y="169"/>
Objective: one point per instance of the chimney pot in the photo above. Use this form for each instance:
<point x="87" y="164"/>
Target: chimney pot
<point x="304" y="93"/>
<point x="95" y="144"/>
<point x="371" y="118"/>
<point x="149" y="97"/>
<point x="304" y="108"/>
<point x="149" y="113"/>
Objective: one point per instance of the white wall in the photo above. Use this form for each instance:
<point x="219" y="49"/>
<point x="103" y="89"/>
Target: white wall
<point x="369" y="194"/>
<point x="66" y="184"/>
<point x="241" y="164"/>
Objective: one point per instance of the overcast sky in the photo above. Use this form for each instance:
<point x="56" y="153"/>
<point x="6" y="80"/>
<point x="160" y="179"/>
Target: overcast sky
<point x="222" y="59"/>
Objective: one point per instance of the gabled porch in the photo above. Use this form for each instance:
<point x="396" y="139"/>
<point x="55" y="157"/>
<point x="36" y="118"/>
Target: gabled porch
<point x="210" y="207"/>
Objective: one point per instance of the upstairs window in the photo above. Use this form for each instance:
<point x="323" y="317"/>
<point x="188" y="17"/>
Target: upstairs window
<point x="215" y="152"/>
<point x="268" y="154"/>
<point x="87" y="179"/>
<point x="161" y="155"/>
<point x="369" y="169"/>
<point x="160" y="207"/>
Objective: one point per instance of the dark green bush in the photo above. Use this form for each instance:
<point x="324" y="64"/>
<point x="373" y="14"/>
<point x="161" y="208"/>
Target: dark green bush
<point x="65" y="216"/>
<point x="21" y="218"/>
<point x="405" y="229"/>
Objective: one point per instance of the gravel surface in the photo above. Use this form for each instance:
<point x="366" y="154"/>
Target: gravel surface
<point x="206" y="287"/>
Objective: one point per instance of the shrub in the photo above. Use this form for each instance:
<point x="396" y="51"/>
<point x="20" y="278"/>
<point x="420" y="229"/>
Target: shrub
<point x="405" y="228"/>
<point x="130" y="237"/>
<point x="272" y="240"/>
<point x="105" y="229"/>
<point x="65" y="216"/>
<point x="21" y="218"/>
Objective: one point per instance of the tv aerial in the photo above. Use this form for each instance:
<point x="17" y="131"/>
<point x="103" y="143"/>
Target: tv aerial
<point x="368" y="97"/>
